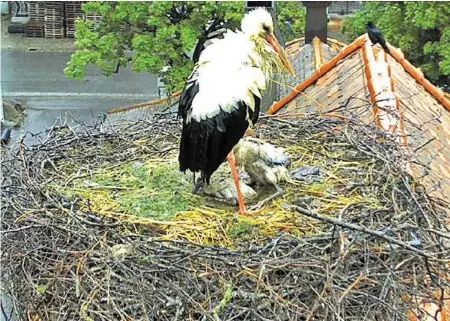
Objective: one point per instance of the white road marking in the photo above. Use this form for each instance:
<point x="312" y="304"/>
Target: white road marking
<point x="78" y="95"/>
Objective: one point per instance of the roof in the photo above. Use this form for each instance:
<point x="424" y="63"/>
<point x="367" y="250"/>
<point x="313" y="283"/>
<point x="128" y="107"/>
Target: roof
<point x="363" y="81"/>
<point x="144" y="110"/>
<point x="306" y="59"/>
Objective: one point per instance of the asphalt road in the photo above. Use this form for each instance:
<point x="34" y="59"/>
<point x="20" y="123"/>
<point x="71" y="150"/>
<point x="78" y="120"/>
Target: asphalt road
<point x="37" y="80"/>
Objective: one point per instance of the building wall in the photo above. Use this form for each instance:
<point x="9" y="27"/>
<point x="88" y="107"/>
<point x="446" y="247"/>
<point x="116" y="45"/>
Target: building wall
<point x="345" y="7"/>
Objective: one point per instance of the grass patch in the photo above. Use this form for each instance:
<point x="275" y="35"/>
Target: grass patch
<point x="241" y="230"/>
<point x="154" y="190"/>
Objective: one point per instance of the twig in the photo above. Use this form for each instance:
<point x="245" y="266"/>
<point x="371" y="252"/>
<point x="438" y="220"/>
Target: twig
<point x="21" y="229"/>
<point x="144" y="269"/>
<point x="358" y="228"/>
<point x="351" y="287"/>
<point x="440" y="233"/>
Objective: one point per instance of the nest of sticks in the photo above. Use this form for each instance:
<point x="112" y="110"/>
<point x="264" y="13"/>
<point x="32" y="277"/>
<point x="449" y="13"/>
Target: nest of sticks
<point x="365" y="241"/>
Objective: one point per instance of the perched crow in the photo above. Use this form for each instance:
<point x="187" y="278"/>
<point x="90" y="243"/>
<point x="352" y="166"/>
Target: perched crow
<point x="376" y="36"/>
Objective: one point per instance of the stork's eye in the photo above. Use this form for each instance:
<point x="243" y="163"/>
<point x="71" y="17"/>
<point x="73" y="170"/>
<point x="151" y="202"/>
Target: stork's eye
<point x="266" y="28"/>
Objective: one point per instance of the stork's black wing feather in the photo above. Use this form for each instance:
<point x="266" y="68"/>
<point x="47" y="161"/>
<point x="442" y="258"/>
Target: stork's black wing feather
<point x="206" y="143"/>
<point x="204" y="42"/>
<point x="254" y="115"/>
<point x="187" y="96"/>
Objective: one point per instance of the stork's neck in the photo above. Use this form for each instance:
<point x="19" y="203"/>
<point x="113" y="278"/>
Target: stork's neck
<point x="264" y="56"/>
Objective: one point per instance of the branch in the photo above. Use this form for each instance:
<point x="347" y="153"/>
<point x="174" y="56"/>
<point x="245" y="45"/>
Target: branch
<point x="359" y="228"/>
<point x="20" y="229"/>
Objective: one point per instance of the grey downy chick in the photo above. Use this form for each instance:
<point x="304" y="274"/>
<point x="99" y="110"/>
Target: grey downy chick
<point x="222" y="187"/>
<point x="265" y="163"/>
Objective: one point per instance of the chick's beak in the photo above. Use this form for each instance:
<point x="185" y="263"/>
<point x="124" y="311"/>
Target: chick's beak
<point x="272" y="40"/>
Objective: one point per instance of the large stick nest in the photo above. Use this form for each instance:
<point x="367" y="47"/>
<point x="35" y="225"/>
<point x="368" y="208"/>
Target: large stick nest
<point x="367" y="242"/>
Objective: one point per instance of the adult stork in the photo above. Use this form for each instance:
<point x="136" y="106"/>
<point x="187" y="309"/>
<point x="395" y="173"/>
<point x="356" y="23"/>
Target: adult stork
<point x="222" y="96"/>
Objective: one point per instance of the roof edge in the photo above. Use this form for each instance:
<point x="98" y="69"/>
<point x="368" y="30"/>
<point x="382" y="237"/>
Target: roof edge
<point x="319" y="73"/>
<point x="396" y="53"/>
<point x="331" y="40"/>
<point x="294" y="41"/>
<point x="418" y="75"/>
<point x="143" y="105"/>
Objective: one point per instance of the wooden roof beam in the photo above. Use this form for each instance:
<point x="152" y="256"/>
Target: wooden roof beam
<point x="317" y="50"/>
<point x="379" y="82"/>
<point x="319" y="73"/>
<point x="385" y="103"/>
<point x="417" y="74"/>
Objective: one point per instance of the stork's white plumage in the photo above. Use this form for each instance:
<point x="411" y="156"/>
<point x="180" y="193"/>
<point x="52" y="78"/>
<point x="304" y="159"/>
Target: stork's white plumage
<point x="223" y="94"/>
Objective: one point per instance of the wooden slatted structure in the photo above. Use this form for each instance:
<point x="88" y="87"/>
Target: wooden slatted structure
<point x="54" y="19"/>
<point x="363" y="82"/>
<point x="37" y="11"/>
<point x="95" y="18"/>
<point x="34" y="29"/>
<point x="73" y="11"/>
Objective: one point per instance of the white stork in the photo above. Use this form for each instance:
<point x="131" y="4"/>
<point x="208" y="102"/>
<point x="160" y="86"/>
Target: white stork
<point x="222" y="96"/>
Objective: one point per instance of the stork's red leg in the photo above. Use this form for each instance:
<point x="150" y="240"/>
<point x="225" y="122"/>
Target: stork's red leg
<point x="235" y="173"/>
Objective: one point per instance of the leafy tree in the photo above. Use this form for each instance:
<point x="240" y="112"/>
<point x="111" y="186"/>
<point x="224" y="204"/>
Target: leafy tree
<point x="291" y="19"/>
<point x="420" y="28"/>
<point x="153" y="35"/>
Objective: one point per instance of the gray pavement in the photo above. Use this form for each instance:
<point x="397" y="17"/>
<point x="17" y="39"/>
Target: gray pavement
<point x="37" y="80"/>
<point x="42" y="72"/>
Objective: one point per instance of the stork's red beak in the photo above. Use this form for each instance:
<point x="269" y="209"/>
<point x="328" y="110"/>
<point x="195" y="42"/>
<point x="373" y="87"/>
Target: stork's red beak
<point x="272" y="40"/>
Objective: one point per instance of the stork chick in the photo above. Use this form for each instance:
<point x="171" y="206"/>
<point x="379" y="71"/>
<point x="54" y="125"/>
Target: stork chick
<point x="260" y="163"/>
<point x="265" y="163"/>
<point x="223" y="189"/>
<point x="222" y="96"/>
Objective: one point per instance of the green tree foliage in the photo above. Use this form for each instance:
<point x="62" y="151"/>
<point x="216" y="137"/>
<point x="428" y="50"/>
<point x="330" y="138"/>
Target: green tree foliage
<point x="420" y="28"/>
<point x="153" y="35"/>
<point x="291" y="19"/>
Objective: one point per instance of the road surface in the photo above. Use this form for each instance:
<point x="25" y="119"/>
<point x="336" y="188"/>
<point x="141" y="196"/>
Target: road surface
<point x="37" y="80"/>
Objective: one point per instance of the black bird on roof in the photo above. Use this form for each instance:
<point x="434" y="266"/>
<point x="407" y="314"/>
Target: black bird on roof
<point x="376" y="36"/>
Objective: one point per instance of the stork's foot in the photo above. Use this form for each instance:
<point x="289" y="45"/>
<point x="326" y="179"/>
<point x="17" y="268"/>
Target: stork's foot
<point x="198" y="186"/>
<point x="224" y="190"/>
<point x="246" y="212"/>
<point x="243" y="210"/>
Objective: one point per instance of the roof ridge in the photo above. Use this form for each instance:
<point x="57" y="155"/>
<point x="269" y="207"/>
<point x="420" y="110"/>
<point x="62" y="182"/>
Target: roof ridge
<point x="418" y="75"/>
<point x="317" y="50"/>
<point x="332" y="40"/>
<point x="384" y="100"/>
<point x="318" y="74"/>
<point x="396" y="53"/>
<point x="380" y="84"/>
